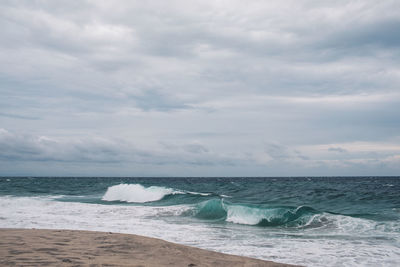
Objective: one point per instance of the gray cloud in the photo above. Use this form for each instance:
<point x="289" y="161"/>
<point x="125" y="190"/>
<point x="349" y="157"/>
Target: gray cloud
<point x="277" y="152"/>
<point x="31" y="148"/>
<point x="282" y="153"/>
<point x="152" y="99"/>
<point x="215" y="82"/>
<point x="369" y="36"/>
<point x="337" y="149"/>
<point x="16" y="116"/>
<point x="195" y="148"/>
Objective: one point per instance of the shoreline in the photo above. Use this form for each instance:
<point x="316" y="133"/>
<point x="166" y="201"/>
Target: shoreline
<point x="42" y="247"/>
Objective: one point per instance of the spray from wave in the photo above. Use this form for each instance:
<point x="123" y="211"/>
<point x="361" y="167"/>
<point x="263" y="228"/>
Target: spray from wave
<point x="137" y="193"/>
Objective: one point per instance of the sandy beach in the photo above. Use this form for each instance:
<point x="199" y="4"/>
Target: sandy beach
<point x="33" y="247"/>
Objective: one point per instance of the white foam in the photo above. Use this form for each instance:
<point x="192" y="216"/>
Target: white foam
<point x="198" y="193"/>
<point x="345" y="241"/>
<point x="137" y="193"/>
<point x="243" y="215"/>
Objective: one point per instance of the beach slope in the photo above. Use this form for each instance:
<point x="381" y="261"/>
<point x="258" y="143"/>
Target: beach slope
<point x="33" y="247"/>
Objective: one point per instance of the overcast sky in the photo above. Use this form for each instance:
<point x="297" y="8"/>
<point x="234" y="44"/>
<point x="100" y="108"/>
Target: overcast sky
<point x="200" y="88"/>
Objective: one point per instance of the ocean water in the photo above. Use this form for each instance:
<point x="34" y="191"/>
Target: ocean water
<point x="326" y="221"/>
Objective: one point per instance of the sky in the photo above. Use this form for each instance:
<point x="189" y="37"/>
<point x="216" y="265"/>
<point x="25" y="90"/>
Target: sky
<point x="200" y="88"/>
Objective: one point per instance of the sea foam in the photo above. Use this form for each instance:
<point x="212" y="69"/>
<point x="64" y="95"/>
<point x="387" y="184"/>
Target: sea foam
<point x="331" y="245"/>
<point x="137" y="193"/>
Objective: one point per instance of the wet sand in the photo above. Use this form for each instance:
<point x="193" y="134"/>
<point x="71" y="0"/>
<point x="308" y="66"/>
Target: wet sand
<point x="33" y="247"/>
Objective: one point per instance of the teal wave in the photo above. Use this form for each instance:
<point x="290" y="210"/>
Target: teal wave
<point x="220" y="210"/>
<point x="266" y="202"/>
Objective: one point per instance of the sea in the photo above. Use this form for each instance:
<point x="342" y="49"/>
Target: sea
<point x="309" y="221"/>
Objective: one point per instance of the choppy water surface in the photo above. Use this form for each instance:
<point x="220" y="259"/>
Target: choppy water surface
<point x="347" y="221"/>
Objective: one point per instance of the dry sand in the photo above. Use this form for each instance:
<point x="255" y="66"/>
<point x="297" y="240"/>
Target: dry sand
<point x="31" y="247"/>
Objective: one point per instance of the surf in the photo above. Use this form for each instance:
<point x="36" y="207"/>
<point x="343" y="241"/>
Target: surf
<point x="222" y="210"/>
<point x="136" y="193"/>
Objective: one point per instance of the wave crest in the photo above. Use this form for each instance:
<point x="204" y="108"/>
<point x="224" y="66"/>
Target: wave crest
<point x="217" y="209"/>
<point x="137" y="193"/>
<point x="211" y="210"/>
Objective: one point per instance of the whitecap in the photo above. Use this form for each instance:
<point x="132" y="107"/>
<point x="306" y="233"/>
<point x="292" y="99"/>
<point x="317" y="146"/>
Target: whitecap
<point x="137" y="193"/>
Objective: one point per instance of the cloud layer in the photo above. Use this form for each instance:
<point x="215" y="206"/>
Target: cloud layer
<point x="199" y="88"/>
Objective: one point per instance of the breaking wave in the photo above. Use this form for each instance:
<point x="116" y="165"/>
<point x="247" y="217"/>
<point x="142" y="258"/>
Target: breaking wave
<point x="217" y="209"/>
<point x="137" y="193"/>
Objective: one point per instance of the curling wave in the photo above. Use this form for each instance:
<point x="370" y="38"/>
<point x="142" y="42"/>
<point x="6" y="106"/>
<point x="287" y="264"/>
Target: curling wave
<point x="217" y="209"/>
